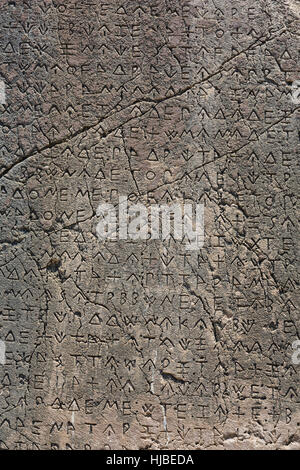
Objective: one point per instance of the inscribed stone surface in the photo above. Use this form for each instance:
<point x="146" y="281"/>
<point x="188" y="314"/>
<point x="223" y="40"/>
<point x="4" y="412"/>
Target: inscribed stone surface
<point x="143" y="344"/>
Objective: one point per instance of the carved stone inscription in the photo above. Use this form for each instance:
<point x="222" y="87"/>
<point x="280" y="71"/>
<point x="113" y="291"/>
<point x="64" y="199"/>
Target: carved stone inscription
<point x="143" y="344"/>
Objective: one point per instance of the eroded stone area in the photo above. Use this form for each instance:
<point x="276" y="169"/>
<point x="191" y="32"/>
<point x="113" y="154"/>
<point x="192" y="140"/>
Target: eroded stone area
<point x="145" y="345"/>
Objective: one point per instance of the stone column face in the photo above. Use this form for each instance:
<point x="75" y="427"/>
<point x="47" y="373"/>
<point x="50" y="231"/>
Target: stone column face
<point x="137" y="339"/>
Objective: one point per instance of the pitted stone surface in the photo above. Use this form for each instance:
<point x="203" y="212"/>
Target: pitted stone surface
<point x="145" y="345"/>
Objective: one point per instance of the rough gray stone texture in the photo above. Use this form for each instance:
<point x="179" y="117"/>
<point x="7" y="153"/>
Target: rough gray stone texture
<point x="144" y="345"/>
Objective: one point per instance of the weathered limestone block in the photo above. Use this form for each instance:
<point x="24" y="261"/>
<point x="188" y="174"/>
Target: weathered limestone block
<point x="145" y="344"/>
